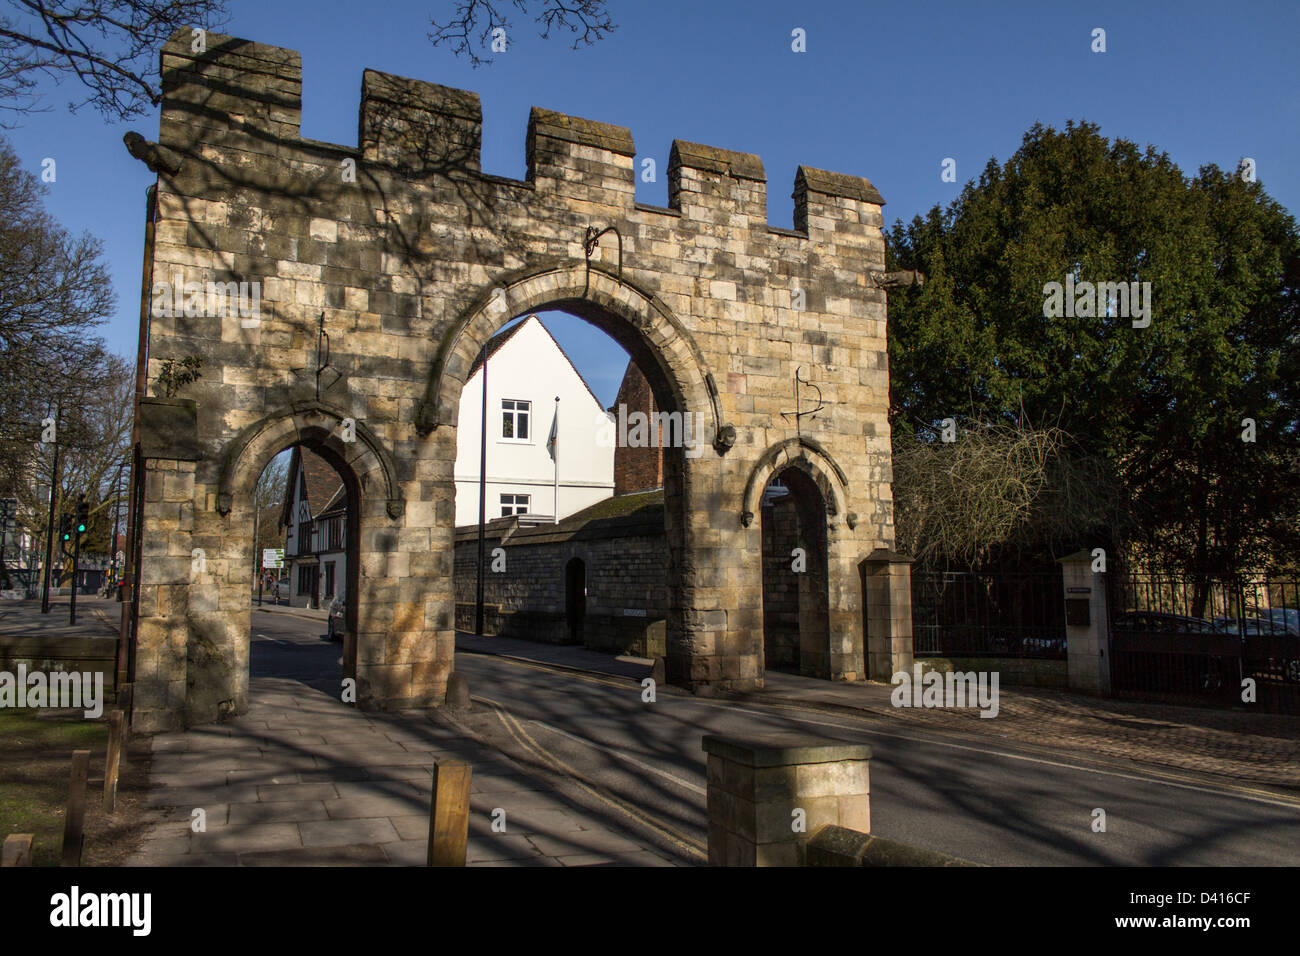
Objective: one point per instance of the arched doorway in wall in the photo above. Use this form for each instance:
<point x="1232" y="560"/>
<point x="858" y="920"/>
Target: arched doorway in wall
<point x="617" y="378"/>
<point x="796" y="616"/>
<point x="575" y="599"/>
<point x="301" y="631"/>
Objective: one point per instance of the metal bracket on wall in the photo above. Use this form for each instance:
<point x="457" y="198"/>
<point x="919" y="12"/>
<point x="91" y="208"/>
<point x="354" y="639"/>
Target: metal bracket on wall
<point x="589" y="245"/>
<point x="798" y="415"/>
<point x="323" y="358"/>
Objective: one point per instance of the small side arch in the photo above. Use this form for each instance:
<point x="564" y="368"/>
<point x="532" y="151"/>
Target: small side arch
<point x="319" y="427"/>
<point x="809" y="456"/>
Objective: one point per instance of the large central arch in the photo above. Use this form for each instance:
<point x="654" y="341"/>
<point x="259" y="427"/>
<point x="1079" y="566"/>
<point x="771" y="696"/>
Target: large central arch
<point x="384" y="267"/>
<point x="657" y="341"/>
<point x="660" y="345"/>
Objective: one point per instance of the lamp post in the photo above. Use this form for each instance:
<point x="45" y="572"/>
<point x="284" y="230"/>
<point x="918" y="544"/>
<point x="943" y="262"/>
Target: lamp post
<point x="49" y="526"/>
<point x="482" y="495"/>
<point x="8" y="509"/>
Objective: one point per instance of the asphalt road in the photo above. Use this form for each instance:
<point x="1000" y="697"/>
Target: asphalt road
<point x="987" y="802"/>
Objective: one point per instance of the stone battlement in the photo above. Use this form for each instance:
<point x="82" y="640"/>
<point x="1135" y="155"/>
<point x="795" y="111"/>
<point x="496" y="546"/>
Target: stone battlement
<point x="409" y="258"/>
<point x="240" y="90"/>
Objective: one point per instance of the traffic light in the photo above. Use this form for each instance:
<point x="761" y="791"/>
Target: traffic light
<point x="65" y="527"/>
<point x="83" y="516"/>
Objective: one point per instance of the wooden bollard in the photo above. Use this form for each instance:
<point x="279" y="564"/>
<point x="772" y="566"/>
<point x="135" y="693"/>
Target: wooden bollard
<point x="449" y="813"/>
<point x="17" y="850"/>
<point x="116" y="724"/>
<point x="74" y="822"/>
<point x="124" y="696"/>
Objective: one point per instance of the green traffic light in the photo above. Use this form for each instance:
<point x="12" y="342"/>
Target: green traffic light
<point x="81" y="529"/>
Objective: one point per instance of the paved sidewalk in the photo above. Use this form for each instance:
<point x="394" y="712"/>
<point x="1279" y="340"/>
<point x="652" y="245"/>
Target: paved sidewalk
<point x="1248" y="748"/>
<point x="96" y="617"/>
<point x="303" y="779"/>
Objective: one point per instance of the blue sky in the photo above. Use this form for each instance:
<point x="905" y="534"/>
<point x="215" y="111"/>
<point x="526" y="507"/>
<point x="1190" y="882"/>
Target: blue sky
<point x="883" y="91"/>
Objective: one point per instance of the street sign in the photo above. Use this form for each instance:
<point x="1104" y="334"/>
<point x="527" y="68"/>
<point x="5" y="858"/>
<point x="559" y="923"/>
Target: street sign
<point x="121" y="558"/>
<point x="273" y="557"/>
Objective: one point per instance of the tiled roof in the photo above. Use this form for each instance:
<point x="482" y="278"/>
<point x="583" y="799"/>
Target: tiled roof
<point x="323" y="482"/>
<point x="494" y="345"/>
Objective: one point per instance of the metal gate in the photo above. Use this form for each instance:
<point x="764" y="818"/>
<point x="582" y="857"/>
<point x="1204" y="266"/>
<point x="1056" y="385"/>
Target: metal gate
<point x="1200" y="641"/>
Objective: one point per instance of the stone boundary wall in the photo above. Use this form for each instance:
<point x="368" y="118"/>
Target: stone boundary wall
<point x="1012" y="671"/>
<point x="62" y="653"/>
<point x="626" y="559"/>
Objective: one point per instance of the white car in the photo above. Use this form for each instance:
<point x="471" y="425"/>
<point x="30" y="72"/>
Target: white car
<point x="337" y="618"/>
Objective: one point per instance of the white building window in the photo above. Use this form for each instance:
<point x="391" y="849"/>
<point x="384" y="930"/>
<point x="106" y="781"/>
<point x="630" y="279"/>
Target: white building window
<point x="514" y="419"/>
<point x="514" y="505"/>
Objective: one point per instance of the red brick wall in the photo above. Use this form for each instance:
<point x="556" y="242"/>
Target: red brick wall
<point x="636" y="469"/>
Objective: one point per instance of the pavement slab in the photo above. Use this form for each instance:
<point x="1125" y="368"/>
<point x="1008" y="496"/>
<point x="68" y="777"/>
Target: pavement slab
<point x="305" y="780"/>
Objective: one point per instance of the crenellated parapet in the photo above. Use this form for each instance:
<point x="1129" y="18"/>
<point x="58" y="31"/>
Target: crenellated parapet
<point x="419" y="127"/>
<point x="214" y="84"/>
<point x="250" y="94"/>
<point x="704" y="182"/>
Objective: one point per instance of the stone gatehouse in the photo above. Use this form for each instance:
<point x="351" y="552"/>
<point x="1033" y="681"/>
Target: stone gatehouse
<point x="381" y="268"/>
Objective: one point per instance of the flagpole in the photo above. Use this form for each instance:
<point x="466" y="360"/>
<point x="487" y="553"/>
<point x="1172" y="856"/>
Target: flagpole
<point x="482" y="496"/>
<point x="555" y="457"/>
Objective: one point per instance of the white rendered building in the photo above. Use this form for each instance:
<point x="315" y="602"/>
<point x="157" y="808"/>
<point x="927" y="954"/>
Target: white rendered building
<point x="526" y="371"/>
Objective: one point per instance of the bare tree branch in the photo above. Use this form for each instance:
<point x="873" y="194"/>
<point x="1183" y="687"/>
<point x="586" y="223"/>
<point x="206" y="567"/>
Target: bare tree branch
<point x="109" y="46"/>
<point x="472" y="28"/>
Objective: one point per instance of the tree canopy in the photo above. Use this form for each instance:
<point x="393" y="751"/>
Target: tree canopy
<point x="1160" y="409"/>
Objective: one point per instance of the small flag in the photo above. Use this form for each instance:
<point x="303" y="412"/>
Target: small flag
<point x="552" y="443"/>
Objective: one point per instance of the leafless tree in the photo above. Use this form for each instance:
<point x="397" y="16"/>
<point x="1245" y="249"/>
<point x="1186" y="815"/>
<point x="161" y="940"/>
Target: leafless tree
<point x="54" y="291"/>
<point x="268" y="498"/>
<point x="994" y="491"/>
<point x="109" y="46"/>
<point x="89" y="406"/>
<point x="474" y="26"/>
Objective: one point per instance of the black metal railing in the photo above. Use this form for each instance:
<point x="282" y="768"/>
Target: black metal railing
<point x="999" y="614"/>
<point x="1217" y="641"/>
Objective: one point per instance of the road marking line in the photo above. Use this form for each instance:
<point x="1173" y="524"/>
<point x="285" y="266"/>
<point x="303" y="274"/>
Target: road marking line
<point x="1155" y="776"/>
<point x="1226" y="791"/>
<point x="673" y="835"/>
<point x="605" y="748"/>
<point x="694" y="847"/>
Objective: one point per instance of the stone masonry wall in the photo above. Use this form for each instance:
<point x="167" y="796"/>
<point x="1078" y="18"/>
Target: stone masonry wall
<point x="626" y="575"/>
<point x="413" y="257"/>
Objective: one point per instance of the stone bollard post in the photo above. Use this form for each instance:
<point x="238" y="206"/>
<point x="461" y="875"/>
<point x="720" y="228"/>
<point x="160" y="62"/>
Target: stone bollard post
<point x="17" y="850"/>
<point x="768" y="794"/>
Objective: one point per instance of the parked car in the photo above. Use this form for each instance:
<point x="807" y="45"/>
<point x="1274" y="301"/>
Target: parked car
<point x="1157" y="622"/>
<point x="1270" y="623"/>
<point x="1201" y="672"/>
<point x="1287" y="618"/>
<point x="337" y="618"/>
<point x="1251" y="626"/>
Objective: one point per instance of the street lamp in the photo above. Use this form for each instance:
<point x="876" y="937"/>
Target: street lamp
<point x="49" y="527"/>
<point x="8" y="509"/>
